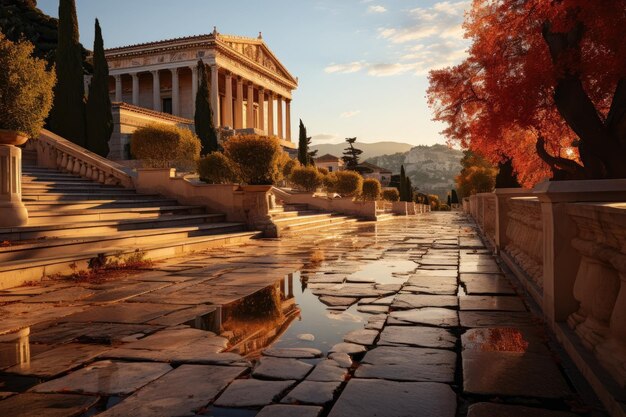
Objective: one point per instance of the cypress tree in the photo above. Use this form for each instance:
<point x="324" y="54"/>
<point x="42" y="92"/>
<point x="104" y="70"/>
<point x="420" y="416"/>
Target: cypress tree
<point x="409" y="189"/>
<point x="402" y="188"/>
<point x="449" y="200"/>
<point x="303" y="145"/>
<point x="98" y="109"/>
<point x="203" y="117"/>
<point x="67" y="117"/>
<point x="455" y="198"/>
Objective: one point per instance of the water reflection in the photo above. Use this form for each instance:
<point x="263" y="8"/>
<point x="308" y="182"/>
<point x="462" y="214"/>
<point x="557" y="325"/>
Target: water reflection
<point x="17" y="351"/>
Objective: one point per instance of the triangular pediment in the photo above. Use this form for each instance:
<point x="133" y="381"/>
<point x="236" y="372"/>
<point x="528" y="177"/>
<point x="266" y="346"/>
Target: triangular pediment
<point x="256" y="51"/>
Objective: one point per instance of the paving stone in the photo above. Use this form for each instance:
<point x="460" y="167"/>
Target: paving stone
<point x="178" y="393"/>
<point x="493" y="303"/>
<point x="281" y="368"/>
<point x="295" y="353"/>
<point x="373" y="309"/>
<point x="349" y="348"/>
<point x="11" y="353"/>
<point x="46" y="405"/>
<point x="102" y="333"/>
<point x="408" y="364"/>
<point x="328" y="371"/>
<point x="512" y="374"/>
<point x="252" y="393"/>
<point x="361" y="337"/>
<point x="431" y="315"/>
<point x="338" y="301"/>
<point x="505" y="339"/>
<point x="284" y="410"/>
<point x="408" y="301"/>
<point x="4" y="395"/>
<point x="484" y="268"/>
<point x="192" y="314"/>
<point x="312" y="392"/>
<point x="502" y="410"/>
<point x="124" y="313"/>
<point x="377" y="398"/>
<point x="58" y="360"/>
<point x="495" y="319"/>
<point x="107" y="378"/>
<point x="417" y="336"/>
<point x="342" y="359"/>
<point x="65" y="295"/>
<point x="173" y="338"/>
<point x="486" y="284"/>
<point x="432" y="285"/>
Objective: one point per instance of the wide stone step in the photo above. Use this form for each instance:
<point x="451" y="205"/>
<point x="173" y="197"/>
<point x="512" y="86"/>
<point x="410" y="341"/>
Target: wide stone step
<point x="105" y="195"/>
<point x="39" y="217"/>
<point x="134" y="238"/>
<point x="280" y="214"/>
<point x="287" y="221"/>
<point x="43" y="186"/>
<point x="60" y="178"/>
<point x="80" y="229"/>
<point x="311" y="224"/>
<point x="102" y="204"/>
<point x="18" y="272"/>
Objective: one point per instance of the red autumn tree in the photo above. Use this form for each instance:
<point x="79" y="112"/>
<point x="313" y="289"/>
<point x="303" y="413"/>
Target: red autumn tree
<point x="544" y="85"/>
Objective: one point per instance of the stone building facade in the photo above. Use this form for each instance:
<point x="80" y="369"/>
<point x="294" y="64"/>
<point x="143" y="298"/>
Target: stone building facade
<point x="253" y="94"/>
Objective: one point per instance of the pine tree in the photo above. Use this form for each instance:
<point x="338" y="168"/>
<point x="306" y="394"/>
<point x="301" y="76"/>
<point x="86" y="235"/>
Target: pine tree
<point x="67" y="117"/>
<point x="203" y="117"/>
<point x="402" y="187"/>
<point x="303" y="145"/>
<point x="351" y="155"/>
<point x="98" y="109"/>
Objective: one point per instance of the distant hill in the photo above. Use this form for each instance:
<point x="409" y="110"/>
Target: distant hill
<point x="431" y="168"/>
<point x="370" y="150"/>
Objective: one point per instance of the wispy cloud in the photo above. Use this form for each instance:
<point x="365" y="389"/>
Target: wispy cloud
<point x="376" y="9"/>
<point x="348" y="114"/>
<point x="345" y="68"/>
<point x="430" y="38"/>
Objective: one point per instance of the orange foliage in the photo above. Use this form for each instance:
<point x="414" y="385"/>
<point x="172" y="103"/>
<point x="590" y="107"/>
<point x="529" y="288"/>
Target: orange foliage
<point x="501" y="99"/>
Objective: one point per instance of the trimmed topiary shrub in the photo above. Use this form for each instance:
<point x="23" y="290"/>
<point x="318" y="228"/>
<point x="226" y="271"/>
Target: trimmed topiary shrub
<point x="306" y="178"/>
<point x="256" y="158"/>
<point x="349" y="183"/>
<point x="371" y="189"/>
<point x="288" y="165"/>
<point x="215" y="168"/>
<point x="330" y="182"/>
<point x="25" y="88"/>
<point x="391" y="194"/>
<point x="322" y="170"/>
<point x="163" y="146"/>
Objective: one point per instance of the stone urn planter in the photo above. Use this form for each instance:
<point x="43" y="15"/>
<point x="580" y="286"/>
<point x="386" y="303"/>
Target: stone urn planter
<point x="257" y="203"/>
<point x="12" y="210"/>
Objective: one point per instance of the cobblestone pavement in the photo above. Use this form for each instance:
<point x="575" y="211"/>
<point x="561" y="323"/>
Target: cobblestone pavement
<point x="408" y="317"/>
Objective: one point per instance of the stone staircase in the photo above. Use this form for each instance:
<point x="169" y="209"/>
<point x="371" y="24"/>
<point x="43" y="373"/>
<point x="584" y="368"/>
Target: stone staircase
<point x="73" y="220"/>
<point x="296" y="218"/>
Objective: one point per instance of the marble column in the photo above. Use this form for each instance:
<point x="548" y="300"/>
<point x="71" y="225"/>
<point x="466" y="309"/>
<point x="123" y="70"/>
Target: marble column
<point x="262" y="108"/>
<point x="288" y="120"/>
<point x="118" y="88"/>
<point x="215" y="94"/>
<point x="156" y="91"/>
<point x="194" y="87"/>
<point x="270" y="114"/>
<point x="135" y="88"/>
<point x="228" y="101"/>
<point x="279" y="121"/>
<point x="175" y="92"/>
<point x="239" y="105"/>
<point x="250" y="107"/>
<point x="12" y="210"/>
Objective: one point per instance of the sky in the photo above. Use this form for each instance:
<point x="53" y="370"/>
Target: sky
<point x="362" y="65"/>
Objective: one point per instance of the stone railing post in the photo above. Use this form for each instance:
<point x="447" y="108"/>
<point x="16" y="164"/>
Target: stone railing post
<point x="12" y="210"/>
<point x="503" y="196"/>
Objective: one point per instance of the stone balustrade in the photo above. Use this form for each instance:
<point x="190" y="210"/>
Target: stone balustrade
<point x="566" y="243"/>
<point x="53" y="151"/>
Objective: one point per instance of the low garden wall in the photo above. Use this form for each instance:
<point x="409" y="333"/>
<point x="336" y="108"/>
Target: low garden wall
<point x="566" y="243"/>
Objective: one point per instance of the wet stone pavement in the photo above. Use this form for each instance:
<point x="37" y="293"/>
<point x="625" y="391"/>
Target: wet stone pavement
<point x="404" y="318"/>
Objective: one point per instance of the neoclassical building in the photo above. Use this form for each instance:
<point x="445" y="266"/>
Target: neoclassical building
<point x="158" y="80"/>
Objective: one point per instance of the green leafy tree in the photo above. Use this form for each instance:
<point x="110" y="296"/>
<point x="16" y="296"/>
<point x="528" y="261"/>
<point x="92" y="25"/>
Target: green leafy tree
<point x="98" y="108"/>
<point x="67" y="117"/>
<point x="351" y="155"/>
<point x="477" y="175"/>
<point x="203" y="117"/>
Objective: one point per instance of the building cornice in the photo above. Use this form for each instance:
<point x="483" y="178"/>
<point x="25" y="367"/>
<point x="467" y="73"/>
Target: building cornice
<point x="136" y="109"/>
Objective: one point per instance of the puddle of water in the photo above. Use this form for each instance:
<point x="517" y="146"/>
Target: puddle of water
<point x="228" y="412"/>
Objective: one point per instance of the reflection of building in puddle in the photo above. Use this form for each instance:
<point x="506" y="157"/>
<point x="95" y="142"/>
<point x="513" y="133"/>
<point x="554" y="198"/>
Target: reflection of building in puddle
<point x="20" y="355"/>
<point x="255" y="321"/>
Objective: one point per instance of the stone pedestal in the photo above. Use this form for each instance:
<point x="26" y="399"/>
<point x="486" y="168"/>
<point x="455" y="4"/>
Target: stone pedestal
<point x="12" y="211"/>
<point x="257" y="201"/>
